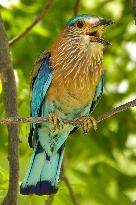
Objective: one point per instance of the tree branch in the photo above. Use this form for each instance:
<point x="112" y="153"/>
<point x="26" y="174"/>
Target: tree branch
<point x="72" y="193"/>
<point x="116" y="110"/>
<point x="134" y="202"/>
<point x="67" y="182"/>
<point x="10" y="98"/>
<point x="34" y="22"/>
<point x="77" y="123"/>
<point x="76" y="7"/>
<point x="134" y="10"/>
<point x="49" y="200"/>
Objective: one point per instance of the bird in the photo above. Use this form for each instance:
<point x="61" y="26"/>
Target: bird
<point x="66" y="84"/>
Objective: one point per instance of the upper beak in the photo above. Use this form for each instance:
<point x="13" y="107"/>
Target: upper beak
<point x="104" y="22"/>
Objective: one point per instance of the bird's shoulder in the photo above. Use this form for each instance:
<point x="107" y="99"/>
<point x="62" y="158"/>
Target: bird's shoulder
<point x="37" y="64"/>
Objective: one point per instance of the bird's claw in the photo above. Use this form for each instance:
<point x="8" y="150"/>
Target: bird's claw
<point x="55" y="121"/>
<point x="87" y="123"/>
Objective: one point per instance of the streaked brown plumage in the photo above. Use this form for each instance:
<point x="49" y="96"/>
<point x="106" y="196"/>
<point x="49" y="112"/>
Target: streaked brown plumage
<point x="77" y="66"/>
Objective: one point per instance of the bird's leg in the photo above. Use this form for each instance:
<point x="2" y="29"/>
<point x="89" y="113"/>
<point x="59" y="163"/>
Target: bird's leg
<point x="87" y="123"/>
<point x="55" y="121"/>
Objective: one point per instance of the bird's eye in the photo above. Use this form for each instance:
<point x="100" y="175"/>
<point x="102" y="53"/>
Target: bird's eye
<point x="80" y="24"/>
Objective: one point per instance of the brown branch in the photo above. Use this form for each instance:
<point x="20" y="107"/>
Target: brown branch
<point x="49" y="200"/>
<point x="134" y="10"/>
<point x="134" y="202"/>
<point x="71" y="191"/>
<point x="10" y="99"/>
<point x="34" y="22"/>
<point x="116" y="110"/>
<point x="99" y="118"/>
<point x="76" y="7"/>
<point x="67" y="182"/>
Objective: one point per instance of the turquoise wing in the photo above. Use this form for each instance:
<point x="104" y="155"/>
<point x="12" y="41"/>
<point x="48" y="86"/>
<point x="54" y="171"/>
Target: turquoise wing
<point x="40" y="85"/>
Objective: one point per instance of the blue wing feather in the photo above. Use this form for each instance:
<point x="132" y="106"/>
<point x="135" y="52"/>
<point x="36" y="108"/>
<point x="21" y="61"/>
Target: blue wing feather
<point x="40" y="86"/>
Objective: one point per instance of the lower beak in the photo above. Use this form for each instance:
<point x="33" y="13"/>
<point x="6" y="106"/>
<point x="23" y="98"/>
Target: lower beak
<point x="103" y="41"/>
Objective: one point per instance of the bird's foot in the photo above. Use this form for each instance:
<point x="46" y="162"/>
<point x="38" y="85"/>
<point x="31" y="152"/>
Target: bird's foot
<point x="87" y="123"/>
<point x="56" y="122"/>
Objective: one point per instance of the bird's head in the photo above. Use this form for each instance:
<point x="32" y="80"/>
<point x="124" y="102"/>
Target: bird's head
<point x="81" y="41"/>
<point x="90" y="28"/>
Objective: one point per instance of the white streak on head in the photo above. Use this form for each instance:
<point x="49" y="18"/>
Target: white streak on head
<point x="93" y="20"/>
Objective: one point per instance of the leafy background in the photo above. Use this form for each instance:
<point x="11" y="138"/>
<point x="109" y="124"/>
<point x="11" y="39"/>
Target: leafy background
<point x="101" y="165"/>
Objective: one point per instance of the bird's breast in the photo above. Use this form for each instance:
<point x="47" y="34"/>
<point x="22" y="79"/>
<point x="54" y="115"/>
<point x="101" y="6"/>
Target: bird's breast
<point x="73" y="91"/>
<point x="76" y="73"/>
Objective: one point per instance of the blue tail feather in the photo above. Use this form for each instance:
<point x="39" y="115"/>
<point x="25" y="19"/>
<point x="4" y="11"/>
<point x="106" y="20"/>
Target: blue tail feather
<point x="43" y="172"/>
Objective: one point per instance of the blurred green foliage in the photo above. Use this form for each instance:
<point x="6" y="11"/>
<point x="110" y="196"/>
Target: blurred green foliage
<point x="101" y="165"/>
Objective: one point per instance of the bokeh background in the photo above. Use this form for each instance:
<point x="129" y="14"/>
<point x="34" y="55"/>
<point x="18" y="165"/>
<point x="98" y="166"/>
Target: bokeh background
<point x="101" y="165"/>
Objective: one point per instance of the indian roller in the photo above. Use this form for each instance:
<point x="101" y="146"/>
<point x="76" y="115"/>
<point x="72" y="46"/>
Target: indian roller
<point x="67" y="83"/>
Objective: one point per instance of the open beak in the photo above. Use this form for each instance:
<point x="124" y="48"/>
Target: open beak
<point x="97" y="29"/>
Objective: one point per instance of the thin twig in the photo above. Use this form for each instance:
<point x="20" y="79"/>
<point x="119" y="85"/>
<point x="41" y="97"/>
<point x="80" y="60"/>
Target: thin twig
<point x="134" y="10"/>
<point x="67" y="182"/>
<point x="76" y="7"/>
<point x="10" y="103"/>
<point x="116" y="110"/>
<point x="71" y="191"/>
<point x="49" y="200"/>
<point x="134" y="202"/>
<point x="34" y="22"/>
<point x="99" y="118"/>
